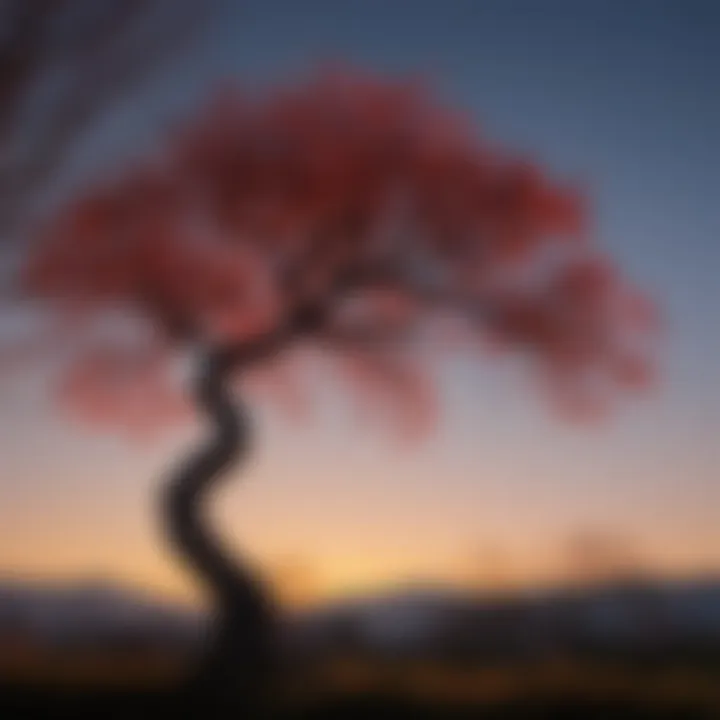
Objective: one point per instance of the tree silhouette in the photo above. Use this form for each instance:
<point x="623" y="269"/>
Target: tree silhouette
<point x="62" y="64"/>
<point x="349" y="214"/>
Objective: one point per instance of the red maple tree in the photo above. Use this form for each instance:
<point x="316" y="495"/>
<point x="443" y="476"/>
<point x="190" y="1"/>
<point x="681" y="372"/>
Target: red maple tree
<point x="352" y="215"/>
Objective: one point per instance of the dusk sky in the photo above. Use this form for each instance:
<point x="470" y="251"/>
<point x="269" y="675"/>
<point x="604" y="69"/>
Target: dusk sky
<point x="620" y="95"/>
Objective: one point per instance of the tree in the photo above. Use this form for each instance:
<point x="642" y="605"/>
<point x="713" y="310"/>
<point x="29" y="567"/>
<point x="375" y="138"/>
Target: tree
<point x="62" y="64"/>
<point x="350" y="214"/>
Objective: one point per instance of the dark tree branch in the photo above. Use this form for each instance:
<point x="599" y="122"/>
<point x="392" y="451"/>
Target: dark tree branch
<point x="102" y="48"/>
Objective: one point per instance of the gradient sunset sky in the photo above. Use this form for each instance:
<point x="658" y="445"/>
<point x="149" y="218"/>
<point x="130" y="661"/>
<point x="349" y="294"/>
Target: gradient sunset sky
<point x="621" y="95"/>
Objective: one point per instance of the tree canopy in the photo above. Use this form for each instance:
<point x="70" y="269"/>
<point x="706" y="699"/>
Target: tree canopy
<point x="349" y="213"/>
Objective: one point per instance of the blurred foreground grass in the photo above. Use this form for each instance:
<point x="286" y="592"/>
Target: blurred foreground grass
<point x="123" y="685"/>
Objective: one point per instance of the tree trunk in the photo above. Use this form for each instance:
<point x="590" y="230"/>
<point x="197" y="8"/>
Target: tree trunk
<point x="237" y="663"/>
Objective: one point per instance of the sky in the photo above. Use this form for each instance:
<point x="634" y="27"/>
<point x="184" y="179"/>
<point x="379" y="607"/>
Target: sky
<point x="620" y="96"/>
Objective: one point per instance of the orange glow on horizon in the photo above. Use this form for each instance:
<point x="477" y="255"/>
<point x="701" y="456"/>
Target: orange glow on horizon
<point x="303" y="583"/>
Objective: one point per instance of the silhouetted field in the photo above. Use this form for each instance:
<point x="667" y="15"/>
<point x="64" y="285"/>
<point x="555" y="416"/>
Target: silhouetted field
<point x="34" y="705"/>
<point x="459" y="658"/>
<point x="362" y="689"/>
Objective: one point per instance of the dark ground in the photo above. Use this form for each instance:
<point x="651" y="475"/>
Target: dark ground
<point x="34" y="702"/>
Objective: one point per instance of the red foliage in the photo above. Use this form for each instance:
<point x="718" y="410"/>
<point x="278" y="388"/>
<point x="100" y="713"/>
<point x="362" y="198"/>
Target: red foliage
<point x="347" y="211"/>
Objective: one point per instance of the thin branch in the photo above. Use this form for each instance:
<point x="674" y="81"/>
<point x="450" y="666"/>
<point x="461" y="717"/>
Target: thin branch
<point x="105" y="57"/>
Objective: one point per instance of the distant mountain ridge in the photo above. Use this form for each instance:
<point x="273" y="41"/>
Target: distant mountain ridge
<point x="628" y="613"/>
<point x="87" y="609"/>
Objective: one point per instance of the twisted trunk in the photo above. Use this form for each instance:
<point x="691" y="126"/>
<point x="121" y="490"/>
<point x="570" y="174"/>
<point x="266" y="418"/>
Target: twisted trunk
<point x="239" y="656"/>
